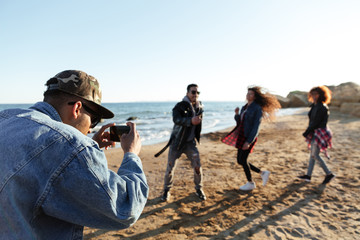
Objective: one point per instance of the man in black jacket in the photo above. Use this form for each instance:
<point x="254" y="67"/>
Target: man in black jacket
<point x="187" y="117"/>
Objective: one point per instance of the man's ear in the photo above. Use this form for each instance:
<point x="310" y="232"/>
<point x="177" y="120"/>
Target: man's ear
<point x="75" y="111"/>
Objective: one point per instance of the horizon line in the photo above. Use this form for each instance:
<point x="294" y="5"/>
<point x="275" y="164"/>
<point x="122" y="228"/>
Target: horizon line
<point x="134" y="102"/>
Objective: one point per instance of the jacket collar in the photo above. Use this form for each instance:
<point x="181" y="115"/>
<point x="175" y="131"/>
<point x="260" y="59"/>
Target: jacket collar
<point x="47" y="109"/>
<point x="186" y="99"/>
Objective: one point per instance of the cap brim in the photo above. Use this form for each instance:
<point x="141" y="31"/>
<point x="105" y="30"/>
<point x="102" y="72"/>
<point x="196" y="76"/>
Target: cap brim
<point x="102" y="111"/>
<point x="105" y="113"/>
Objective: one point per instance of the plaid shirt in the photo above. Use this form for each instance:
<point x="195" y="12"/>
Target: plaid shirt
<point x="236" y="137"/>
<point x="322" y="137"/>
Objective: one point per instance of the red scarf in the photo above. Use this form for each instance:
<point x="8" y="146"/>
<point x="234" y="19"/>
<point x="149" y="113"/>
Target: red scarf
<point x="236" y="137"/>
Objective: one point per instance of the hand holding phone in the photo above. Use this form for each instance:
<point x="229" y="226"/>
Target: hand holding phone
<point x="131" y="141"/>
<point x="117" y="131"/>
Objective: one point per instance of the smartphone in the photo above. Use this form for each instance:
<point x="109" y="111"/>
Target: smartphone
<point x="117" y="131"/>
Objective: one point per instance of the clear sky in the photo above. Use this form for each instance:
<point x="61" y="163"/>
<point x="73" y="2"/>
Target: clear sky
<point x="150" y="50"/>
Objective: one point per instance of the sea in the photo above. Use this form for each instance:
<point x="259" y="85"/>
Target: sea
<point x="154" y="119"/>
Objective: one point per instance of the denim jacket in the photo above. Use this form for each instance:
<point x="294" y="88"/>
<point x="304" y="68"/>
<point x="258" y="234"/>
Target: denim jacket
<point x="252" y="120"/>
<point x="54" y="180"/>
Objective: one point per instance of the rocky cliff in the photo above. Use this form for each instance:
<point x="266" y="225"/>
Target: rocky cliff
<point x="345" y="98"/>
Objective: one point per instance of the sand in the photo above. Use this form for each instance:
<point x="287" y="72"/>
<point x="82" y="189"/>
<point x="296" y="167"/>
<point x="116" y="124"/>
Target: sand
<point x="285" y="208"/>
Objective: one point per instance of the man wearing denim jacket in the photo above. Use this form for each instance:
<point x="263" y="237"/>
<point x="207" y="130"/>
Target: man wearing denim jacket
<point x="53" y="178"/>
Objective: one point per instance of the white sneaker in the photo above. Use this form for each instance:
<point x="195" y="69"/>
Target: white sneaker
<point x="265" y="176"/>
<point x="248" y="186"/>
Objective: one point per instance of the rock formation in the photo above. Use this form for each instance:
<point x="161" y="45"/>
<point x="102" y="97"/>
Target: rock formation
<point x="350" y="108"/>
<point x="345" y="98"/>
<point x="294" y="99"/>
<point x="298" y="99"/>
<point x="345" y="93"/>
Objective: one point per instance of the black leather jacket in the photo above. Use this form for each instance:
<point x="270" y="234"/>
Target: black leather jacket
<point x="182" y="115"/>
<point x="318" y="117"/>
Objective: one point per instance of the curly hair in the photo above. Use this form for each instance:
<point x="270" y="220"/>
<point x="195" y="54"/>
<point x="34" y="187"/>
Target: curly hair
<point x="324" y="94"/>
<point x="268" y="102"/>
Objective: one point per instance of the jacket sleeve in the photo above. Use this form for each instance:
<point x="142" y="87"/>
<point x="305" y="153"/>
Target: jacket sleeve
<point x="179" y="116"/>
<point x="255" y="125"/>
<point x="237" y="119"/>
<point x="315" y="121"/>
<point x="87" y="193"/>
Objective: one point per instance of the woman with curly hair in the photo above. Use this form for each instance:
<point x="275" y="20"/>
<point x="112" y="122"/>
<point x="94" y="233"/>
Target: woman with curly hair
<point x="317" y="135"/>
<point x="244" y="135"/>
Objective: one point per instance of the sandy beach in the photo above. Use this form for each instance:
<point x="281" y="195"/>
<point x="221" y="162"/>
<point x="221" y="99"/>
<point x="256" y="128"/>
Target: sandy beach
<point x="285" y="208"/>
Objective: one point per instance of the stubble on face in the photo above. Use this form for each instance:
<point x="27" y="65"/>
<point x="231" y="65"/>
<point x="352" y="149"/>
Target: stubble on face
<point x="193" y="97"/>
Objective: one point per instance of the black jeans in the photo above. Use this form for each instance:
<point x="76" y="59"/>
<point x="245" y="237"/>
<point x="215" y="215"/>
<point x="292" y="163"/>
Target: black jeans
<point x="242" y="156"/>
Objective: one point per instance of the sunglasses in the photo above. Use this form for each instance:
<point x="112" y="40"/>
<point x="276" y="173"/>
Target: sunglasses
<point x="195" y="92"/>
<point x="95" y="118"/>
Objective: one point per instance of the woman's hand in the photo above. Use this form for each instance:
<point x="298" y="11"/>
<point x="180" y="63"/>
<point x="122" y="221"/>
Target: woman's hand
<point x="246" y="146"/>
<point x="237" y="111"/>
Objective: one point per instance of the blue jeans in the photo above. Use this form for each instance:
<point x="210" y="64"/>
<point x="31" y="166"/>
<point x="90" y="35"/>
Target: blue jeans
<point x="315" y="155"/>
<point x="192" y="153"/>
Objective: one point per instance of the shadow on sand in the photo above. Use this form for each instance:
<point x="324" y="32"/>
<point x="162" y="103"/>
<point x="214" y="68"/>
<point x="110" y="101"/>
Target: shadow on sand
<point x="310" y="195"/>
<point x="229" y="199"/>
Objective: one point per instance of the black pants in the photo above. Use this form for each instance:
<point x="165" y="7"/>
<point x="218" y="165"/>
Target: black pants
<point x="242" y="156"/>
